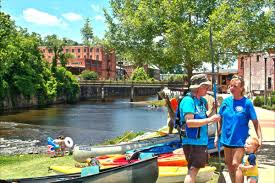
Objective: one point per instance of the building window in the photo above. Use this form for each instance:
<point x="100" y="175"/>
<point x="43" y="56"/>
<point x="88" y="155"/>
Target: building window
<point x="242" y="63"/>
<point x="78" y="56"/>
<point x="97" y="50"/>
<point x="269" y="83"/>
<point x="97" y="57"/>
<point x="84" y="56"/>
<point x="91" y="49"/>
<point x="258" y="58"/>
<point x="78" y="50"/>
<point x="85" y="50"/>
<point x="67" y="50"/>
<point x="91" y="56"/>
<point x="49" y="56"/>
<point x="43" y="50"/>
<point x="50" y="50"/>
<point x="72" y="50"/>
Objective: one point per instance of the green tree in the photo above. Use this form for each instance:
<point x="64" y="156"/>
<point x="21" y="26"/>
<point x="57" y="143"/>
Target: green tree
<point x="139" y="74"/>
<point x="69" y="42"/>
<point x="23" y="72"/>
<point x="56" y="45"/>
<point x="89" y="75"/>
<point x="87" y="33"/>
<point x="168" y="33"/>
<point x="6" y="32"/>
<point x="67" y="85"/>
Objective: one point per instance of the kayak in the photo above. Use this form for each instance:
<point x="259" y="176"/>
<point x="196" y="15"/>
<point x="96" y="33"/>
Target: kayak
<point x="159" y="148"/>
<point x="141" y="171"/>
<point x="82" y="152"/>
<point x="177" y="174"/>
<point x="169" y="174"/>
<point x="167" y="159"/>
<point x="171" y="159"/>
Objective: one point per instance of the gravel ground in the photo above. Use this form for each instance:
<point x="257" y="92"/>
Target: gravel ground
<point x="15" y="146"/>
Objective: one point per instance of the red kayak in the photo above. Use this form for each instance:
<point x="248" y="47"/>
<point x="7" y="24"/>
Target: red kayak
<point x="168" y="159"/>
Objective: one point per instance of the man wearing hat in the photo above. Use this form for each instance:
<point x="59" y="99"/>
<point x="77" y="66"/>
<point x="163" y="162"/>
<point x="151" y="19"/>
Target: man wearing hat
<point x="194" y="120"/>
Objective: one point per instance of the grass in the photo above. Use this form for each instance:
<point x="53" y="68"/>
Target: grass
<point x="30" y="165"/>
<point x="34" y="165"/>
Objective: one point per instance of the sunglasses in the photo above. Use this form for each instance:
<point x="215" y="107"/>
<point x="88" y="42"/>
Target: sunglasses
<point x="205" y="86"/>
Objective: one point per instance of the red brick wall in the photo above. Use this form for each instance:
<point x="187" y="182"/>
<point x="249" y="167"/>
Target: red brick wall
<point x="89" y="58"/>
<point x="257" y="71"/>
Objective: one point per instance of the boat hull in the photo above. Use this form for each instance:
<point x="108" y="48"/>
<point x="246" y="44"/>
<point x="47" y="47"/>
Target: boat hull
<point x="82" y="152"/>
<point x="142" y="171"/>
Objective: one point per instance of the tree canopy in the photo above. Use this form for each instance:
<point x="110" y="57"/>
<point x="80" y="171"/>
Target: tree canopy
<point x="24" y="72"/>
<point x="168" y="33"/>
<point x="87" y="32"/>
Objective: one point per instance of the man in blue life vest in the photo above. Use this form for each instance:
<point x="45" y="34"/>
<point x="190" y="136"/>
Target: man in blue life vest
<point x="194" y="120"/>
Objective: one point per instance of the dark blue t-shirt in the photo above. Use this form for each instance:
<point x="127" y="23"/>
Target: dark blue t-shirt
<point x="252" y="159"/>
<point x="235" y="117"/>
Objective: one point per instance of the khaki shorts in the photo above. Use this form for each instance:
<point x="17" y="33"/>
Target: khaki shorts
<point x="196" y="155"/>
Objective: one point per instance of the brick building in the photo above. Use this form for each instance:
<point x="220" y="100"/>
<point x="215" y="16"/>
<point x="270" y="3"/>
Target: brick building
<point x="252" y="69"/>
<point x="87" y="58"/>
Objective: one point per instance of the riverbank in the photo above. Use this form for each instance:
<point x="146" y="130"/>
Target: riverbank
<point x="33" y="161"/>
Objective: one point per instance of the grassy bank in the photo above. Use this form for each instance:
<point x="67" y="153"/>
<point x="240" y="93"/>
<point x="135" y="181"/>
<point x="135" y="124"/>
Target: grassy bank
<point x="19" y="166"/>
<point x="33" y="165"/>
<point x="30" y="165"/>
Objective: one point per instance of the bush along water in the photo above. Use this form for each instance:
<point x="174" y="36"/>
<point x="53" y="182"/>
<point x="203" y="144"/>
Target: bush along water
<point x="26" y="79"/>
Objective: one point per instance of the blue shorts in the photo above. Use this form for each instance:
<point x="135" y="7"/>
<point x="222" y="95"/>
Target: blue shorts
<point x="253" y="177"/>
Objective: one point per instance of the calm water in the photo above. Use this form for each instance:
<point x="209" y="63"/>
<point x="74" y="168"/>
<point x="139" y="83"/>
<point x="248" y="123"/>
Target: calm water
<point x="87" y="122"/>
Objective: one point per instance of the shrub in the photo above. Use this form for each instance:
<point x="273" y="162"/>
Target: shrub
<point x="258" y="102"/>
<point x="139" y="74"/>
<point x="269" y="107"/>
<point x="89" y="75"/>
<point x="273" y="100"/>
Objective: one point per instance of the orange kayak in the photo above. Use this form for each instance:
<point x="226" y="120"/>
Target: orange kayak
<point x="171" y="159"/>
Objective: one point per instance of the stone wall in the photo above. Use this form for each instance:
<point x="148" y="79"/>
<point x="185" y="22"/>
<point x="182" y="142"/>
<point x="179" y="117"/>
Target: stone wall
<point x="86" y="92"/>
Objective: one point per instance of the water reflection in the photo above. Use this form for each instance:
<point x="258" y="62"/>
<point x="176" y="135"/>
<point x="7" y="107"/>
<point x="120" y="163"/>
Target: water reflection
<point x="87" y="122"/>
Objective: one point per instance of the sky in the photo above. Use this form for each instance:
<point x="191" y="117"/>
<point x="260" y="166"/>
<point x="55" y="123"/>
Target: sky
<point x="64" y="18"/>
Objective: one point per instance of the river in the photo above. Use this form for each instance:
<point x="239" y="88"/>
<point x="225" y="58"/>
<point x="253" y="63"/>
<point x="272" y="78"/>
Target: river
<point x="87" y="122"/>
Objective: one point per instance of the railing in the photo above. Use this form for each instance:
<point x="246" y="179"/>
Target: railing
<point x="127" y="83"/>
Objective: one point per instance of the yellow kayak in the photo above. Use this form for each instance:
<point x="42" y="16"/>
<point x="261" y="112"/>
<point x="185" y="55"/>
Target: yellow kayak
<point x="71" y="169"/>
<point x="169" y="174"/>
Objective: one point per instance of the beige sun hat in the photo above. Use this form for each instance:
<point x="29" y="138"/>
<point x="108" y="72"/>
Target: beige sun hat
<point x="198" y="80"/>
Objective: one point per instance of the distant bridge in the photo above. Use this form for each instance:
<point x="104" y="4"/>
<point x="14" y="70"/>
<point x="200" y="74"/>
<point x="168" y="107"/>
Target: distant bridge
<point x="90" y="89"/>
